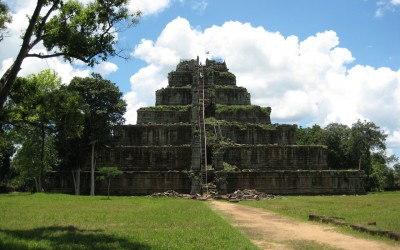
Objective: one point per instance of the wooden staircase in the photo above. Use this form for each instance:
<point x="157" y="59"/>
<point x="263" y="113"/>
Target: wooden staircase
<point x="203" y="94"/>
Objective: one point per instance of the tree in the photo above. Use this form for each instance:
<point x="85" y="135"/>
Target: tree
<point x="37" y="106"/>
<point x="365" y="137"/>
<point x="30" y="111"/>
<point x="34" y="159"/>
<point x="105" y="110"/>
<point x="106" y="173"/>
<point x="5" y="18"/>
<point x="70" y="30"/>
<point x="336" y="139"/>
<point x="311" y="136"/>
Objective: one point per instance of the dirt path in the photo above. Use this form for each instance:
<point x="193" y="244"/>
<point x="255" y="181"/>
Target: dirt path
<point x="271" y="231"/>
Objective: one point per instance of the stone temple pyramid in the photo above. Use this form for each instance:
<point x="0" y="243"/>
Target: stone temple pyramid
<point x="204" y="134"/>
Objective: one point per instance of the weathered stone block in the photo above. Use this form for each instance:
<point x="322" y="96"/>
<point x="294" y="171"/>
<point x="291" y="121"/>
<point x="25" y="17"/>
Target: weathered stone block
<point x="174" y="96"/>
<point x="254" y="134"/>
<point x="299" y="182"/>
<point x="163" y="116"/>
<point x="232" y="96"/>
<point x="156" y="135"/>
<point x="243" y="113"/>
<point x="275" y="157"/>
<point x="148" y="158"/>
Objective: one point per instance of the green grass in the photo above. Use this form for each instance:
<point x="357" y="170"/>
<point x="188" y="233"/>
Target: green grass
<point x="57" y="221"/>
<point x="382" y="208"/>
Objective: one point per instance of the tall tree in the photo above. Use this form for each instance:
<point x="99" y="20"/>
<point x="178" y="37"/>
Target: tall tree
<point x="31" y="112"/>
<point x="365" y="137"/>
<point x="105" y="110"/>
<point x="336" y="139"/>
<point x="71" y="109"/>
<point x="71" y="30"/>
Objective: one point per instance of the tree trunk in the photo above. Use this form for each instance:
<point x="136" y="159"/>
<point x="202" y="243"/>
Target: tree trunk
<point x="93" y="163"/>
<point x="39" y="184"/>
<point x="108" y="188"/>
<point x="36" y="184"/>
<point x="76" y="176"/>
<point x="41" y="166"/>
<point x="10" y="75"/>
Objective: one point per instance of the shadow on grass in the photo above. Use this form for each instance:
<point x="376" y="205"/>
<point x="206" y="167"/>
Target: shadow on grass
<point x="65" y="237"/>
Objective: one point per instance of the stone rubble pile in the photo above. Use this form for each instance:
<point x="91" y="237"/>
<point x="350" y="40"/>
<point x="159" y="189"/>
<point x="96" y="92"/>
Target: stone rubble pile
<point x="238" y="195"/>
<point x="250" y="194"/>
<point x="173" y="194"/>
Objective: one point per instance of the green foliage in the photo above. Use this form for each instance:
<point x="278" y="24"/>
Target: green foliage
<point x="311" y="136"/>
<point x="167" y="108"/>
<point x="352" y="148"/>
<point x="365" y="137"/>
<point x="109" y="172"/>
<point x="5" y="18"/>
<point x="229" y="168"/>
<point x="225" y="79"/>
<point x="106" y="173"/>
<point x="55" y="221"/>
<point x="234" y="109"/>
<point x="83" y="32"/>
<point x="104" y="110"/>
<point x="32" y="161"/>
<point x="33" y="117"/>
<point x="71" y="30"/>
<point x="6" y="152"/>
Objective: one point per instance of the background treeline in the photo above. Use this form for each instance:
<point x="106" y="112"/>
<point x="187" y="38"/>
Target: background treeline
<point x="361" y="146"/>
<point x="49" y="126"/>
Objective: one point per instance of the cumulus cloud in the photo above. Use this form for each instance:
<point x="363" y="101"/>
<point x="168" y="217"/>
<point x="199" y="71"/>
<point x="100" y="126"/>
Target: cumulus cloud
<point x="149" y="7"/>
<point x="303" y="81"/>
<point x="105" y="68"/>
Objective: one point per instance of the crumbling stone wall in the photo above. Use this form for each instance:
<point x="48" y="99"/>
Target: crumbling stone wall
<point x="244" y="114"/>
<point x="147" y="158"/>
<point x="174" y="96"/>
<point x="276" y="157"/>
<point x="254" y="134"/>
<point x="303" y="182"/>
<point x="156" y="135"/>
<point x="232" y="96"/>
<point x="163" y="116"/>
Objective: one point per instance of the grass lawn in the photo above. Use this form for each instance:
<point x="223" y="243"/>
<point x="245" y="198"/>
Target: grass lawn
<point x="58" y="221"/>
<point x="382" y="208"/>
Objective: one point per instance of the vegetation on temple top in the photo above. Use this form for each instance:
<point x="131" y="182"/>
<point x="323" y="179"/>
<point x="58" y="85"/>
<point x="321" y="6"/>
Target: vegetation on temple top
<point x="167" y="108"/>
<point x="239" y="125"/>
<point x="241" y="108"/>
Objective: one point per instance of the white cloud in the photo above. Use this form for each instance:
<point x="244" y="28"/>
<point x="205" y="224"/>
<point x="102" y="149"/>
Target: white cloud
<point x="199" y="6"/>
<point x="307" y="80"/>
<point x="105" y="68"/>
<point x="149" y="7"/>
<point x="385" y="6"/>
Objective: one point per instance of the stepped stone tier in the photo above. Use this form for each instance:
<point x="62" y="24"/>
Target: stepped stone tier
<point x="203" y="132"/>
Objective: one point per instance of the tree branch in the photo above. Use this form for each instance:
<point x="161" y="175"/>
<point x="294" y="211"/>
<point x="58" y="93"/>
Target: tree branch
<point x="8" y="79"/>
<point x="39" y="35"/>
<point x="42" y="56"/>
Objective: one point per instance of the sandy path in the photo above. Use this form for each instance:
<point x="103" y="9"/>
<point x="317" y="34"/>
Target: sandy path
<point x="270" y="231"/>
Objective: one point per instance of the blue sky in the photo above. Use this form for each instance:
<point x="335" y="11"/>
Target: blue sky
<point x="312" y="61"/>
